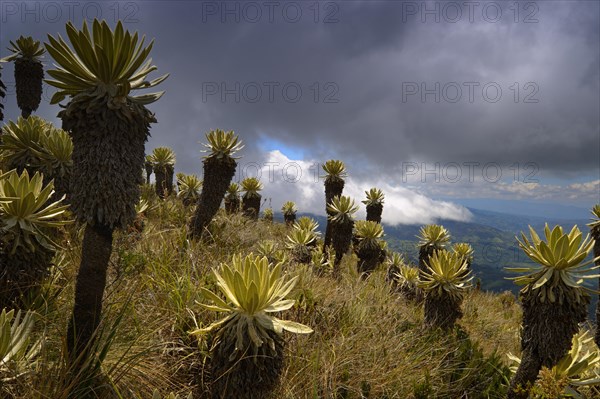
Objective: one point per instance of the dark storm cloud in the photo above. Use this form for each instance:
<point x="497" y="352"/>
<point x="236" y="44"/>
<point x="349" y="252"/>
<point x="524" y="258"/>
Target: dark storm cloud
<point x="355" y="64"/>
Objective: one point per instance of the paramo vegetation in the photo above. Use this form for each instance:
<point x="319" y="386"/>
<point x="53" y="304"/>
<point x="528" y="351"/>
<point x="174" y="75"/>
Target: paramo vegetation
<point x="116" y="285"/>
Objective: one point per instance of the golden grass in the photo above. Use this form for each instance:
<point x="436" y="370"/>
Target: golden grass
<point x="367" y="341"/>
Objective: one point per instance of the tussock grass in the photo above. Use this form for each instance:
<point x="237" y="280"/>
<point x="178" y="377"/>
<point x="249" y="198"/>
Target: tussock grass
<point x="367" y="341"/>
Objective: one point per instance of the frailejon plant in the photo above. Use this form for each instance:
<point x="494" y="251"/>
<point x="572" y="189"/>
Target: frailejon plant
<point x="394" y="262"/>
<point x="232" y="199"/>
<point x="219" y="169"/>
<point x="432" y="237"/>
<point x="141" y="208"/>
<point x="189" y="189"/>
<point x="374" y="203"/>
<point x="341" y="217"/>
<point x="369" y="234"/>
<point x="323" y="259"/>
<point x="594" y="226"/>
<point x="109" y="126"/>
<point x="18" y="347"/>
<point x="247" y="348"/>
<point x="289" y="210"/>
<point x="465" y="251"/>
<point x="29" y="221"/>
<point x="578" y="368"/>
<point x="445" y="282"/>
<point x="33" y="144"/>
<point x="554" y="300"/>
<point x="251" y="198"/>
<point x="268" y="249"/>
<point x="335" y="172"/>
<point x="268" y="215"/>
<point x="407" y="280"/>
<point x="300" y="242"/>
<point x="29" y="73"/>
<point x="27" y="213"/>
<point x="306" y="223"/>
<point x="56" y="161"/>
<point x="22" y="143"/>
<point x="163" y="165"/>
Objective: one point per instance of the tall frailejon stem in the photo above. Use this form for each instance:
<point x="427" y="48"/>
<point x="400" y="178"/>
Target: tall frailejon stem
<point x="29" y="73"/>
<point x="219" y="169"/>
<point x="109" y="127"/>
<point x="335" y="172"/>
<point x="342" y="210"/>
<point x="374" y="203"/>
<point x="89" y="287"/>
<point x="289" y="210"/>
<point x="232" y="199"/>
<point x="369" y="234"/>
<point x="445" y="281"/>
<point x="251" y="199"/>
<point x="554" y="300"/>
<point x="163" y="165"/>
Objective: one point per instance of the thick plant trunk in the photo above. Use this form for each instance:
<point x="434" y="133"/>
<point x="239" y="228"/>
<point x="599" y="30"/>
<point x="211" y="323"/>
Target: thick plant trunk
<point x="28" y="78"/>
<point x="169" y="173"/>
<point x="289" y="218"/>
<point x="89" y="288"/>
<point x="217" y="177"/>
<point x="368" y="259"/>
<point x="341" y="239"/>
<point x="548" y="329"/>
<point x="104" y="188"/>
<point x="525" y="377"/>
<point x="302" y="254"/>
<point x="333" y="188"/>
<point x="108" y="156"/>
<point x="251" y="206"/>
<point x="245" y="376"/>
<point x="159" y="184"/>
<point x="424" y="253"/>
<point x="441" y="311"/>
<point x="374" y="212"/>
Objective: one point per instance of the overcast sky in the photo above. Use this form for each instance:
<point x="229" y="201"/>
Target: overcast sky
<point x="426" y="100"/>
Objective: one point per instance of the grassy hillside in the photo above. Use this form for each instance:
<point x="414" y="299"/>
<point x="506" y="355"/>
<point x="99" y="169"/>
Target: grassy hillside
<point x="367" y="340"/>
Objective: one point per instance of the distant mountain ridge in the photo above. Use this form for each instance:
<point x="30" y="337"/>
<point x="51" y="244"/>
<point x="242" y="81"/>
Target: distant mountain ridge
<point x="516" y="223"/>
<point x="538" y="209"/>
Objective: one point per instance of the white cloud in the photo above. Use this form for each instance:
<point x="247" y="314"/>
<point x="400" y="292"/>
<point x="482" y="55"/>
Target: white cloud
<point x="297" y="180"/>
